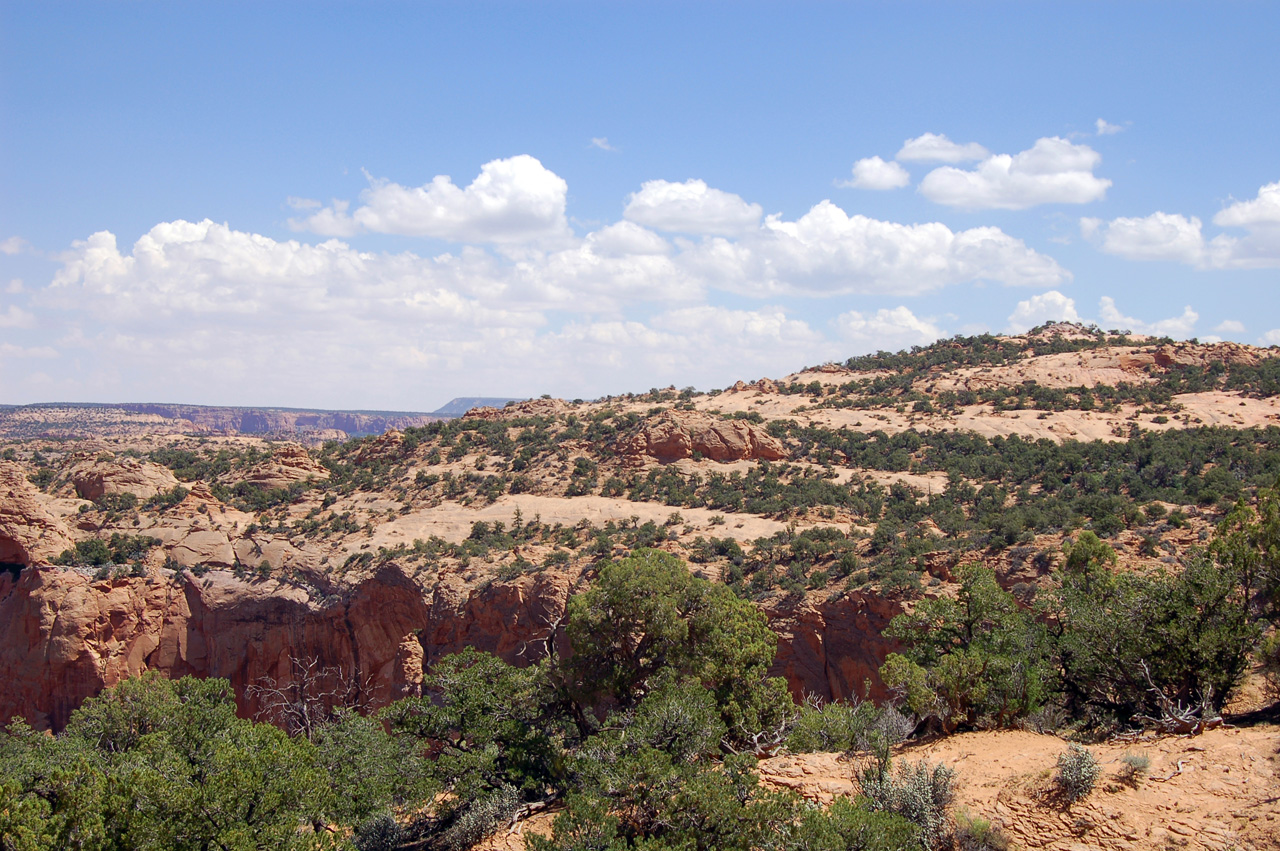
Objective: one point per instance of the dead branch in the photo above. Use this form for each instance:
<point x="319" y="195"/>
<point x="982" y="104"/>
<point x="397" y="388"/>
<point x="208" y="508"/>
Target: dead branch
<point x="309" y="697"/>
<point x="1176" y="719"/>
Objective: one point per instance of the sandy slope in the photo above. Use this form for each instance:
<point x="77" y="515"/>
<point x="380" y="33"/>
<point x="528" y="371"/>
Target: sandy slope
<point x="1217" y="791"/>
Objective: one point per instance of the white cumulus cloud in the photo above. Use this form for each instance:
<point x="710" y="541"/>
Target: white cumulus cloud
<point x="1179" y="327"/>
<point x="1106" y="128"/>
<point x="515" y="200"/>
<point x="1052" y="171"/>
<point x="1272" y="337"/>
<point x="888" y="329"/>
<point x="828" y="252"/>
<point x="9" y="350"/>
<point x="1179" y="238"/>
<point x="937" y="148"/>
<point x="14" y="245"/>
<point x="1229" y="326"/>
<point x="248" y="319"/>
<point x="1159" y="236"/>
<point x="875" y="173"/>
<point x="691" y="207"/>
<point x="1052" y="306"/>
<point x="1261" y="211"/>
<point x="16" y="317"/>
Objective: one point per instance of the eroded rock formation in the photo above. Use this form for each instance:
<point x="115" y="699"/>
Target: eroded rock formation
<point x="65" y="637"/>
<point x="677" y="435"/>
<point x="289" y="465"/>
<point x="143" y="479"/>
<point x="29" y="532"/>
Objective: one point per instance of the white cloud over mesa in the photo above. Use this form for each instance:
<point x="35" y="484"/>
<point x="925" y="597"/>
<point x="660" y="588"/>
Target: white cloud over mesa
<point x="518" y="301"/>
<point x="1052" y="171"/>
<point x="1178" y="238"/>
<point x="1053" y="306"/>
<point x="514" y="200"/>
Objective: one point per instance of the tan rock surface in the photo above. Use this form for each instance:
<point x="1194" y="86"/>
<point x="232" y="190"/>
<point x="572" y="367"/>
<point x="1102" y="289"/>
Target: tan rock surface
<point x="29" y="532"/>
<point x="680" y="434"/>
<point x="143" y="479"/>
<point x="289" y="465"/>
<point x="1212" y="792"/>
<point x="528" y="408"/>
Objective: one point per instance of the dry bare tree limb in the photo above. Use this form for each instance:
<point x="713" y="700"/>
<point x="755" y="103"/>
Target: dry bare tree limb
<point x="309" y="698"/>
<point x="1175" y="718"/>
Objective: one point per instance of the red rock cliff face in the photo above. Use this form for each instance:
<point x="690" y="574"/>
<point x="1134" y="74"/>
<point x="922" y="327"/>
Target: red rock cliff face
<point x="833" y="648"/>
<point x="64" y="638"/>
<point x="677" y="435"/>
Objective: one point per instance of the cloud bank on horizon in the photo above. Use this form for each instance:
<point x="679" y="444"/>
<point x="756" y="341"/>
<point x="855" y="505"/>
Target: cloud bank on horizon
<point x="520" y="292"/>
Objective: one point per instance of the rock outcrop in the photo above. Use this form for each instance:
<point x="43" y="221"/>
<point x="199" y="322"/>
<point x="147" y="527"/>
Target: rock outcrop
<point x="289" y="465"/>
<point x="1190" y="354"/>
<point x="144" y="479"/>
<point x="528" y="408"/>
<point x="677" y="435"/>
<point x="64" y="637"/>
<point x="29" y="532"/>
<point x="832" y="648"/>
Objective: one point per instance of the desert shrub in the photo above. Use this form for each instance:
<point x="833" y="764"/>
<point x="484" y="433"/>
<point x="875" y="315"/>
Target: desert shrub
<point x="379" y="833"/>
<point x="155" y="763"/>
<point x="1269" y="655"/>
<point x="479" y="818"/>
<point x="646" y="617"/>
<point x="167" y="499"/>
<point x="1133" y="767"/>
<point x="918" y="792"/>
<point x="1189" y="634"/>
<point x="977" y="834"/>
<point x="92" y="553"/>
<point x="489" y="727"/>
<point x="1078" y="772"/>
<point x="119" y="549"/>
<point x="832" y="727"/>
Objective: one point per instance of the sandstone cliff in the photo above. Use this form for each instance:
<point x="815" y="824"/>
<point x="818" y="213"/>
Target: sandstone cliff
<point x="29" y="532"/>
<point x="677" y="434"/>
<point x="65" y="637"/>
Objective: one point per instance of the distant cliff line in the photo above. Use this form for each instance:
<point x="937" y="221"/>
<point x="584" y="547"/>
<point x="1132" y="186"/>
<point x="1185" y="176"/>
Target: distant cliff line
<point x="57" y="419"/>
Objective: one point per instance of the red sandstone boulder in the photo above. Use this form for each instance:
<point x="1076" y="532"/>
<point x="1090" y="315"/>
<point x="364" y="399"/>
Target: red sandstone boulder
<point x="676" y="435"/>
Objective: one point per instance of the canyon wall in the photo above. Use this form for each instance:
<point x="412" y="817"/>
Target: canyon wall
<point x="65" y="637"/>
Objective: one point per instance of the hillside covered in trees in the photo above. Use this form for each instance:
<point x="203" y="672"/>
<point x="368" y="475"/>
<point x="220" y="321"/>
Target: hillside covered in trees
<point x="600" y="617"/>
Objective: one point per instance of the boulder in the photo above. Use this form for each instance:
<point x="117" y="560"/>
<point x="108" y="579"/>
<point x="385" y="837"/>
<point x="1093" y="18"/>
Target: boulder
<point x="289" y="465"/>
<point x="143" y="479"/>
<point x="680" y="434"/>
<point x="520" y="410"/>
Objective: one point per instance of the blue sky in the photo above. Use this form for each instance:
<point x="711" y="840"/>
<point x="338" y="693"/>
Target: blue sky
<point x="385" y="205"/>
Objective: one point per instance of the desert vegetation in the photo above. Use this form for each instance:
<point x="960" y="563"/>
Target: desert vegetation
<point x="1013" y="549"/>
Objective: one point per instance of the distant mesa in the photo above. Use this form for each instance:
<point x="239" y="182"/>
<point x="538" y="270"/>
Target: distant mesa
<point x="462" y="404"/>
<point x="312" y="427"/>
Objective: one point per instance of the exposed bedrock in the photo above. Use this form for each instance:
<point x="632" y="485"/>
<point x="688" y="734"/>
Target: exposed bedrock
<point x="64" y="637"/>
